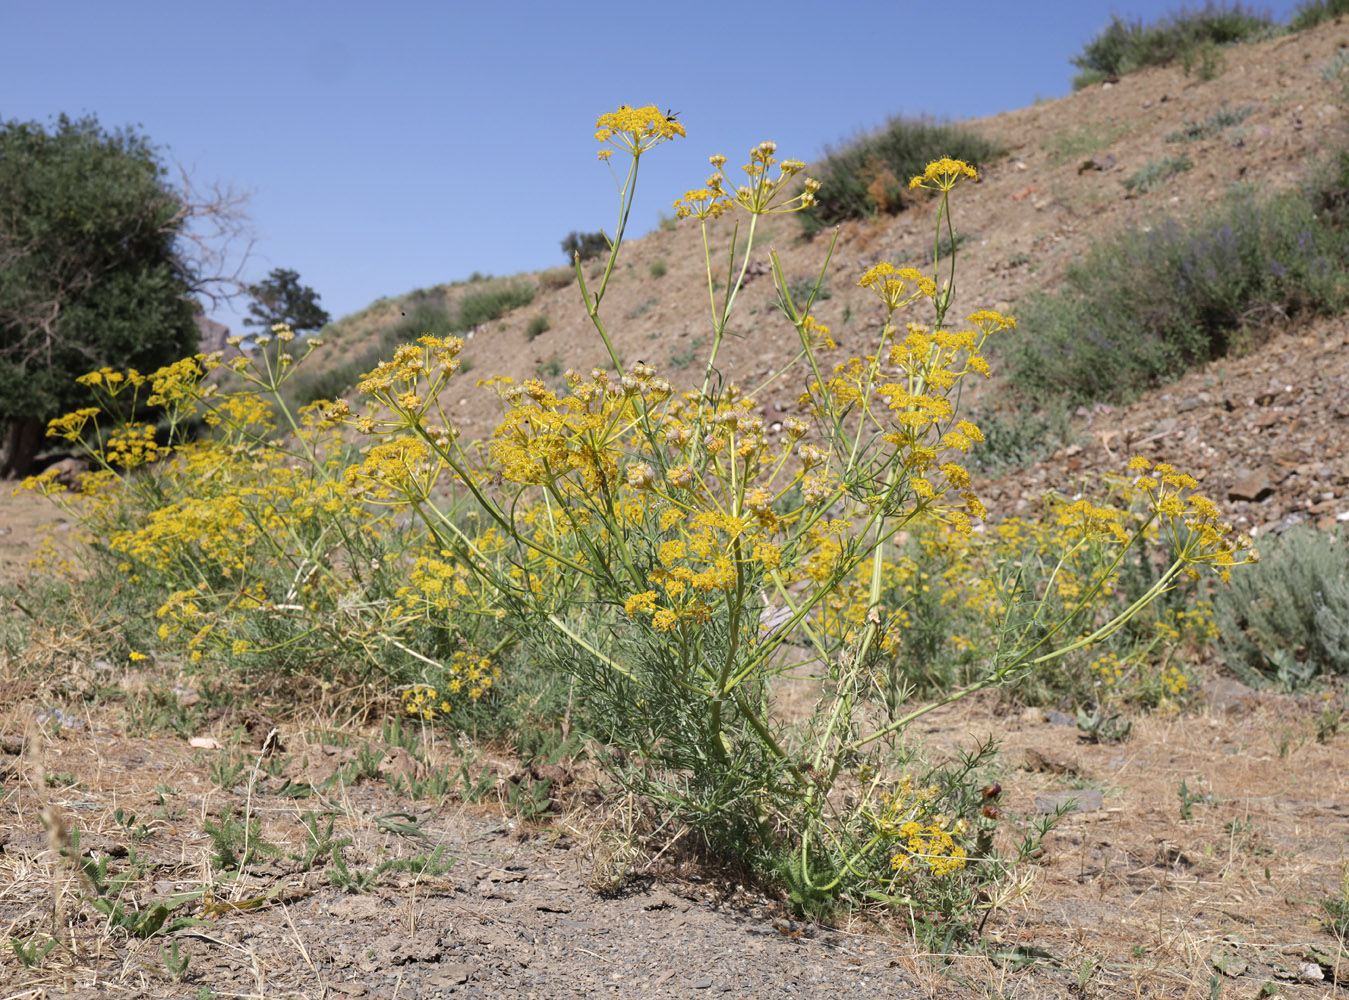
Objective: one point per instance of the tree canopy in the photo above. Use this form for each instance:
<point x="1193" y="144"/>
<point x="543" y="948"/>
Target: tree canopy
<point x="280" y="298"/>
<point x="91" y="272"/>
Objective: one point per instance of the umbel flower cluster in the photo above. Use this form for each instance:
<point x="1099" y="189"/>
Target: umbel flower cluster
<point x="656" y="544"/>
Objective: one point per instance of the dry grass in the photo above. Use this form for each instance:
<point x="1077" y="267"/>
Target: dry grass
<point x="1131" y="900"/>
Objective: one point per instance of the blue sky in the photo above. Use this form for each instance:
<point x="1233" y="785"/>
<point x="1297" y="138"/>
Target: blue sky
<point x="390" y="146"/>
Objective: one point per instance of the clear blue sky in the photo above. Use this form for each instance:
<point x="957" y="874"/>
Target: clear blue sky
<point x="394" y="145"/>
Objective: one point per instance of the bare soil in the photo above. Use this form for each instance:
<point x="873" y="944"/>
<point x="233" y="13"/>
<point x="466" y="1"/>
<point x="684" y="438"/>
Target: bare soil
<point x="1129" y="899"/>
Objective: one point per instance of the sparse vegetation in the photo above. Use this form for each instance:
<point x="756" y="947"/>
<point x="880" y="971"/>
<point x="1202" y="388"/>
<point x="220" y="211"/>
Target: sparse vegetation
<point x="1153" y="174"/>
<point x="557" y="277"/>
<point x="477" y="308"/>
<point x="1084" y="140"/>
<point x="659" y="268"/>
<point x="1214" y="124"/>
<point x="1125" y="46"/>
<point x="1314" y="12"/>
<point x="1209" y="281"/>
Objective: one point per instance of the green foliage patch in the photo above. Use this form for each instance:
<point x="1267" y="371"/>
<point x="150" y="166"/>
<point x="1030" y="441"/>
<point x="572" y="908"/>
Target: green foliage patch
<point x="1286" y="622"/>
<point x="1125" y="46"/>
<point x="870" y="175"/>
<point x="1148" y="303"/>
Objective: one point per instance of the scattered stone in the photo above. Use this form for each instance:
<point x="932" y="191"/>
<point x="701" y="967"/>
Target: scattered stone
<point x="1228" y="962"/>
<point x="62" y="718"/>
<point x="1060" y="719"/>
<point x="1078" y="800"/>
<point x="401" y="948"/>
<point x="1303" y="972"/>
<point x="705" y="983"/>
<point x="1254" y="486"/>
<point x="401" y="764"/>
<point x="452" y="974"/>
<point x="1228" y="696"/>
<point x="1049" y="762"/>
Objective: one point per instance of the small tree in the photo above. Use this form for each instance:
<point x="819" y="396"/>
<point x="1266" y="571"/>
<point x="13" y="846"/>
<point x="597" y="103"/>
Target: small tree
<point x="588" y="245"/>
<point x="92" y="269"/>
<point x="282" y="299"/>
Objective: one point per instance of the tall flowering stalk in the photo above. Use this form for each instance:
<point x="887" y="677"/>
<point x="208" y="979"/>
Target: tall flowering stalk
<point x="689" y="559"/>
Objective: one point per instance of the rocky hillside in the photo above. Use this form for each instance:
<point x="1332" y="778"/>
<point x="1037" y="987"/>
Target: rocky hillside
<point x="1266" y="431"/>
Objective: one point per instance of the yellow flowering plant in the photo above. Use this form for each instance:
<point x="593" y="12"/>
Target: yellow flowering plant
<point x="263" y="552"/>
<point x="683" y="561"/>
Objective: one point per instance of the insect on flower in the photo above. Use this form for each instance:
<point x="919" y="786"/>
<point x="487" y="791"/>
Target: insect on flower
<point x="671" y="116"/>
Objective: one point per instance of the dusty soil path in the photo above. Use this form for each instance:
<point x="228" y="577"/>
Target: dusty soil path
<point x="1129" y="899"/>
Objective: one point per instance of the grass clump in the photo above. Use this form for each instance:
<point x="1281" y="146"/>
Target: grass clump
<point x="1287" y="621"/>
<point x="1211" y="125"/>
<point x="537" y="325"/>
<point x="870" y="175"/>
<point x="1126" y="46"/>
<point x="659" y="269"/>
<point x="1148" y="303"/>
<point x="477" y="308"/>
<point x="556" y="277"/>
<point x="1083" y="140"/>
<point x="1153" y="174"/>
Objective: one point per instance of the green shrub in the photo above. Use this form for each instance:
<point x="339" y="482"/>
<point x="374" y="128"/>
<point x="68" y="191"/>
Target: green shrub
<point x="870" y="175"/>
<point x="659" y="268"/>
<point x="1146" y="304"/>
<point x="536" y="326"/>
<point x="1313" y="12"/>
<point x="803" y="287"/>
<point x="1155" y="173"/>
<point x="1286" y="621"/>
<point x="1125" y="46"/>
<point x="586" y="245"/>
<point x="1328" y="189"/>
<point x="477" y="308"/>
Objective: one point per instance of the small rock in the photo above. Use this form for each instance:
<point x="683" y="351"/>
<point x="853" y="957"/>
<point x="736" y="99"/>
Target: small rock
<point x="1048" y="762"/>
<point x="1080" y="800"/>
<point x="1228" y="696"/>
<point x="452" y="974"/>
<point x="399" y="763"/>
<point x="1254" y="486"/>
<point x="705" y="983"/>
